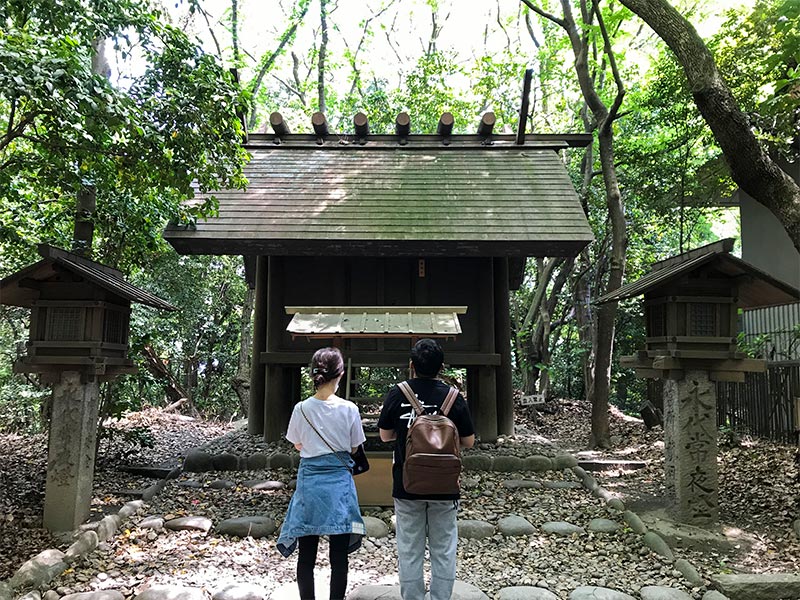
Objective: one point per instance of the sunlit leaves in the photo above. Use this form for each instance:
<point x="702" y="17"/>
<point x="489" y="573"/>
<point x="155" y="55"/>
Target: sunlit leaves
<point x="144" y="147"/>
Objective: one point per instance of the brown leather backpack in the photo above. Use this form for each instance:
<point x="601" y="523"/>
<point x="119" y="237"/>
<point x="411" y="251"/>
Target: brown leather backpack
<point x="433" y="449"/>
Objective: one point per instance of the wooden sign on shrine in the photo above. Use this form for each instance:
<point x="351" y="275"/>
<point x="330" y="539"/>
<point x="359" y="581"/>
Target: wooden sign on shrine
<point x="691" y="304"/>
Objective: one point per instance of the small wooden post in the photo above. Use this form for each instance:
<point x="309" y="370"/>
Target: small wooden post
<point x="402" y="126"/>
<point x="279" y="126"/>
<point x="320" y="126"/>
<point x="85" y="207"/>
<point x="523" y="109"/>
<point x="361" y="124"/>
<point x="486" y="125"/>
<point x="445" y="127"/>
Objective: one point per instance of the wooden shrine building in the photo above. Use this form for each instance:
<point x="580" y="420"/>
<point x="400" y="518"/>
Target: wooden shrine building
<point x="370" y="241"/>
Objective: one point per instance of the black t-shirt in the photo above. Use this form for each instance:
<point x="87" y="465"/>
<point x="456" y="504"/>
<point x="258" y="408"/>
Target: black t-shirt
<point x="397" y="414"/>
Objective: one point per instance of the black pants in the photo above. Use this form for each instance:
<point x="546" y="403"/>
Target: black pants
<point x="307" y="557"/>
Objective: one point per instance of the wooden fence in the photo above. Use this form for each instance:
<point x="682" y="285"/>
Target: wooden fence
<point x="766" y="405"/>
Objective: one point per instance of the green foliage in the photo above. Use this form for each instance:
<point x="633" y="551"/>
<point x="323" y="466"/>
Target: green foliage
<point x="144" y="144"/>
<point x="200" y="342"/>
<point x="758" y="51"/>
<point x="20" y="396"/>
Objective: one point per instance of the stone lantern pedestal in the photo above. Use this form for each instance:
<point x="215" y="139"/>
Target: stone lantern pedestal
<point x="690" y="448"/>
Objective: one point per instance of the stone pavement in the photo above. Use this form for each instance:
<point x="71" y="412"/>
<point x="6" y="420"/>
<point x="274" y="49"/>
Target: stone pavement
<point x="507" y="502"/>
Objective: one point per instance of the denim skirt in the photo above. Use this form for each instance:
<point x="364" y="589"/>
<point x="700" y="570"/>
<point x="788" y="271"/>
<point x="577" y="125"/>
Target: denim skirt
<point x="324" y="503"/>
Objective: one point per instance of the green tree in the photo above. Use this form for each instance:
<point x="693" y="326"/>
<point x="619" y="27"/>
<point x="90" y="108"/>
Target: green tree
<point x="144" y="144"/>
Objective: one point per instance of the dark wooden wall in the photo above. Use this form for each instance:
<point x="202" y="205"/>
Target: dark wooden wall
<point x="483" y="348"/>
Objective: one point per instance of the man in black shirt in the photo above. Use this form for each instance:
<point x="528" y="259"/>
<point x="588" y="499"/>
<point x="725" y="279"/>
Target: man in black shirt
<point x="432" y="516"/>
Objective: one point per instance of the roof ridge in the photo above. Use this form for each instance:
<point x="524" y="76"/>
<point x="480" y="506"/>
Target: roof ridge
<point x="723" y="246"/>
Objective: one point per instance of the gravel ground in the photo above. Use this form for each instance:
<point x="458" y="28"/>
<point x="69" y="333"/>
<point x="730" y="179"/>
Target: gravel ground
<point x="136" y="557"/>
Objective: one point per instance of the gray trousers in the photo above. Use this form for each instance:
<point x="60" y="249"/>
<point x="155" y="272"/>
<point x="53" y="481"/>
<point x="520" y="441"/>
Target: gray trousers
<point x="436" y="520"/>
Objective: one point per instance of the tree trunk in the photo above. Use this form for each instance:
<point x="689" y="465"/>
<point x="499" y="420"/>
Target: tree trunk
<point x="751" y="168"/>
<point x="266" y="62"/>
<point x="156" y="365"/>
<point x="323" y="50"/>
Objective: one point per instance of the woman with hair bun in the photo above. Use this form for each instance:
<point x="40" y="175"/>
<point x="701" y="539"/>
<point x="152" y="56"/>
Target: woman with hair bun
<point x="326" y="429"/>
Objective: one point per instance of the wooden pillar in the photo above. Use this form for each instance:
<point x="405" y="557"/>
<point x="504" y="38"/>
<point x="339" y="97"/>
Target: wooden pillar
<point x="472" y="391"/>
<point x="486" y="417"/>
<point x="502" y="337"/>
<point x="255" y="414"/>
<point x="275" y="421"/>
<point x="486" y="421"/>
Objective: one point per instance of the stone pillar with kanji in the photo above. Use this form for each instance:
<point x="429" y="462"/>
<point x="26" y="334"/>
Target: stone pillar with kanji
<point x="690" y="447"/>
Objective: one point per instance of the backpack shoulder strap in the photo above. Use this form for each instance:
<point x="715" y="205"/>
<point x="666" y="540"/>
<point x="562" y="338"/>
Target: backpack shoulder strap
<point x="409" y="394"/>
<point x="449" y="400"/>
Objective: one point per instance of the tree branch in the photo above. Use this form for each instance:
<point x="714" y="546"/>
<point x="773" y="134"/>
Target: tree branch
<point x="546" y="15"/>
<point x="267" y="62"/>
<point x="751" y="167"/>
<point x="612" y="61"/>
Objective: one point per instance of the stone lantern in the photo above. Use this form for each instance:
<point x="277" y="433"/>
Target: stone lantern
<point x="691" y="304"/>
<point x="78" y="337"/>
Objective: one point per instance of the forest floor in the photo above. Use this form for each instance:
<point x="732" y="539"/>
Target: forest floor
<point x="758" y="501"/>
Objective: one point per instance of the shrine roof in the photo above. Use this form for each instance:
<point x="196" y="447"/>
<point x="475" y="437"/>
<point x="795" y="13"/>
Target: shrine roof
<point x="344" y="197"/>
<point x="15" y="292"/>
<point x="756" y="288"/>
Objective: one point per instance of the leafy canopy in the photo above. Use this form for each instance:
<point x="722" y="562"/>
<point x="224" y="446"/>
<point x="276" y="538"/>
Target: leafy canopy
<point x="144" y="146"/>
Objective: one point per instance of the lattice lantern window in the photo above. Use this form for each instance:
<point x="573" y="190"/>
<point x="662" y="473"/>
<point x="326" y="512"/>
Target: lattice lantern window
<point x="71" y="332"/>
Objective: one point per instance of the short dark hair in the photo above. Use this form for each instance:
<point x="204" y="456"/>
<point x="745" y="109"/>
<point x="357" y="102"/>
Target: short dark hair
<point x="326" y="365"/>
<point x="427" y="357"/>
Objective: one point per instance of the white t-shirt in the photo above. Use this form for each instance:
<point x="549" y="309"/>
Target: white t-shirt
<point x="336" y="419"/>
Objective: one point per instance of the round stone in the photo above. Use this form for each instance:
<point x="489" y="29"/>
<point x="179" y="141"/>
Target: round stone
<point x="564" y="461"/>
<point x="189" y="524"/>
<point x="561" y="485"/>
<point x="156" y="523"/>
<point x="376" y="528"/>
<point x="280" y="461"/>
<point x="197" y="461"/>
<point x="562" y="528"/>
<point x="603" y="525"/>
<point x="221" y="484"/>
<point x="475" y="530"/>
<point x="515" y="525"/>
<point x="225" y="462"/>
<point x="660" y="592"/>
<point x="515" y="484"/>
<point x="190" y="483"/>
<point x="508" y="464"/>
<point x="592" y="592"/>
<point x="634" y="522"/>
<point x="657" y="544"/>
<point x="476" y="462"/>
<point x="714" y="595"/>
<point x="257" y="461"/>
<point x="98" y="595"/>
<point x="254" y="527"/>
<point x="171" y="592"/>
<point x="240" y="591"/>
<point x="689" y="573"/>
<point x="526" y="592"/>
<point x="261" y="485"/>
<point x="538" y="463"/>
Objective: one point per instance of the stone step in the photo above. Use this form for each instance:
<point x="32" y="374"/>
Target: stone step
<point x="611" y="464"/>
<point x="147" y="471"/>
<point x="767" y="586"/>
